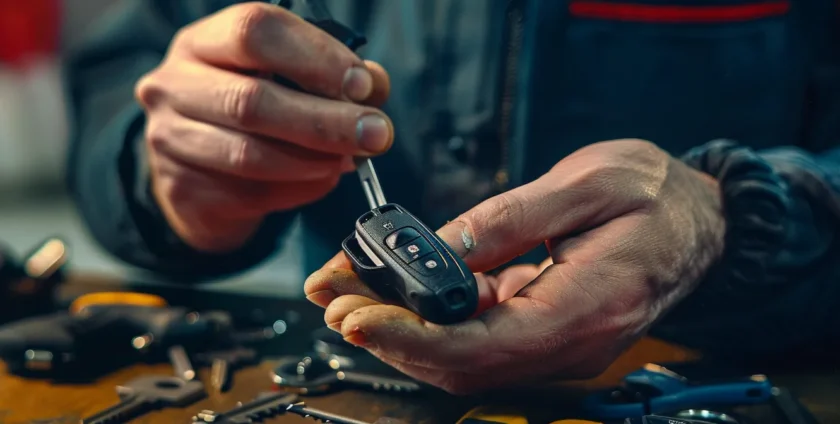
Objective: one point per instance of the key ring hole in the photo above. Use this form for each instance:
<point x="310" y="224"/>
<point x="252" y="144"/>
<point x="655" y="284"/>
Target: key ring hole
<point x="168" y="384"/>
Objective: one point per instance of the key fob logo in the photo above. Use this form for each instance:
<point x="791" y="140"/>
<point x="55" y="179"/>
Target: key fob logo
<point x="388" y="225"/>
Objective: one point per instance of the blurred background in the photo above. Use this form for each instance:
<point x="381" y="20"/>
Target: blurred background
<point x="34" y="36"/>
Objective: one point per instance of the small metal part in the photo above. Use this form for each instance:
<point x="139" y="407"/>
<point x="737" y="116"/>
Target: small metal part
<point x="262" y="408"/>
<point x="370" y="182"/>
<point x="314" y="375"/>
<point x="301" y="409"/>
<point x="48" y="259"/>
<point x="220" y="375"/>
<point x="38" y="360"/>
<point x="181" y="363"/>
<point x="707" y="415"/>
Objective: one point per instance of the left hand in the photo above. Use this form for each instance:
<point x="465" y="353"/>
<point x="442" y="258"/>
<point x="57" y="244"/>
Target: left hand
<point x="630" y="231"/>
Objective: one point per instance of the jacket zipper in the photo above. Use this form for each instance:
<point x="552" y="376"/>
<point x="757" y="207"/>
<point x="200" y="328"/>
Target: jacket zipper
<point x="513" y="44"/>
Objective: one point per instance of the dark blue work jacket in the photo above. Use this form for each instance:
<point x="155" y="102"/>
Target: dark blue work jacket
<point x="492" y="97"/>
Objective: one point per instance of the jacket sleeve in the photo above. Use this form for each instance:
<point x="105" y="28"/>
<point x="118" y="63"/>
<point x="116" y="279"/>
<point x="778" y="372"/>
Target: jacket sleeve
<point x="794" y="307"/>
<point x="107" y="175"/>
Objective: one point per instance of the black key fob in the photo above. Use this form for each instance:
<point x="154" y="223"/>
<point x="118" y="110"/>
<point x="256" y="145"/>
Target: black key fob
<point x="402" y="259"/>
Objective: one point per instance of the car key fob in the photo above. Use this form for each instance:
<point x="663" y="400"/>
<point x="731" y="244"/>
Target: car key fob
<point x="402" y="259"/>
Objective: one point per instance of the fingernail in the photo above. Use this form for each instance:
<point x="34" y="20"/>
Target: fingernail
<point x="336" y="326"/>
<point x="358" y="83"/>
<point x="373" y="133"/>
<point x="458" y="236"/>
<point x="322" y="298"/>
<point x="356" y="337"/>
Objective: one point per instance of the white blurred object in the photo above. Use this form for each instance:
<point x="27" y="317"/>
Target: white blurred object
<point x="33" y="125"/>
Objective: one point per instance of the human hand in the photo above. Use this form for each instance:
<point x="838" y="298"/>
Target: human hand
<point x="226" y="147"/>
<point x="630" y="231"/>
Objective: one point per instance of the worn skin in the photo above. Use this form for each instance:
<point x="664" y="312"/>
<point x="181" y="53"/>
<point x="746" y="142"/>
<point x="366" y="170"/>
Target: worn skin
<point x="630" y="231"/>
<point x="227" y="147"/>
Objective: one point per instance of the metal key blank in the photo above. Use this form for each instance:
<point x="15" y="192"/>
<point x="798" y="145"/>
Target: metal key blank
<point x="148" y="393"/>
<point x="314" y="375"/>
<point x="263" y="407"/>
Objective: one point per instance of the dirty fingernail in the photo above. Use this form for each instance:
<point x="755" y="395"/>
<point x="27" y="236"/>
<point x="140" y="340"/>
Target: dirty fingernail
<point x="458" y="236"/>
<point x="356" y="337"/>
<point x="373" y="133"/>
<point x="322" y="298"/>
<point x="358" y="84"/>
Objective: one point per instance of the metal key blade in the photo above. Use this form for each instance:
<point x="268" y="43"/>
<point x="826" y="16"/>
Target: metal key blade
<point x="301" y="409"/>
<point x="370" y="183"/>
<point x="265" y="406"/>
<point x="128" y="408"/>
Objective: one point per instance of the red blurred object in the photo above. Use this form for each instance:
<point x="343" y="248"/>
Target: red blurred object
<point x="28" y="28"/>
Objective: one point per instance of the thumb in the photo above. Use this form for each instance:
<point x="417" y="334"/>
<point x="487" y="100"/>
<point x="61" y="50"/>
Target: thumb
<point x="512" y="223"/>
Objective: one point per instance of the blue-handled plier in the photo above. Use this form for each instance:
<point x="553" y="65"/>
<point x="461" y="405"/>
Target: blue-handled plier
<point x="654" y="389"/>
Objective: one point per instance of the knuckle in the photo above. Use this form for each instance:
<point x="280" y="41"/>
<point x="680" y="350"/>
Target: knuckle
<point x="148" y="91"/>
<point x="250" y="22"/>
<point x="242" y="155"/>
<point x="504" y="213"/>
<point x="157" y="136"/>
<point x="242" y="101"/>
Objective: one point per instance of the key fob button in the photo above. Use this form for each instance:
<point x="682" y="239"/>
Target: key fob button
<point x="401" y="237"/>
<point x="413" y="250"/>
<point x="429" y="265"/>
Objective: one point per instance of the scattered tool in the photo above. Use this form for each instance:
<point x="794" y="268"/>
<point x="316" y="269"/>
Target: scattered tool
<point x="301" y="409"/>
<point x="181" y="363"/>
<point x="28" y="282"/>
<point x="96" y="337"/>
<point x="314" y="375"/>
<point x="657" y="390"/>
<point x="390" y="249"/>
<point x="272" y="404"/>
<point x="223" y="363"/>
<point x="148" y="393"/>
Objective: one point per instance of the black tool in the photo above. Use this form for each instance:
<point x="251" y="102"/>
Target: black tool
<point x="313" y="375"/>
<point x="393" y="251"/>
<point x="100" y="338"/>
<point x="223" y="363"/>
<point x="148" y="393"/>
<point x="790" y="407"/>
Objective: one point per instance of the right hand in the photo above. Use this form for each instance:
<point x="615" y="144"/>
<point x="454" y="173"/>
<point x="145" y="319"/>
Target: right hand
<point x="226" y="149"/>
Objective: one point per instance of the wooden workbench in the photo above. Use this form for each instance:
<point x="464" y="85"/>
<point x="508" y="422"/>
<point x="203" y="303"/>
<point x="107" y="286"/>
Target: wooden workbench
<point x="23" y="400"/>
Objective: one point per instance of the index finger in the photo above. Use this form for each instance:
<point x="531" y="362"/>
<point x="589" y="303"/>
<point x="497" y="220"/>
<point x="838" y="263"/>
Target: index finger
<point x="267" y="38"/>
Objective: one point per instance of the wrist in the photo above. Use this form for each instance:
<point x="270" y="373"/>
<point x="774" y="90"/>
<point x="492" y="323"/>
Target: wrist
<point x="755" y="204"/>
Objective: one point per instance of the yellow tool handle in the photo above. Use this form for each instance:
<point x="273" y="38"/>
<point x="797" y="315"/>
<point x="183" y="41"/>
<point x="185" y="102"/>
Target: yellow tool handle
<point x="492" y="415"/>
<point x="116" y="298"/>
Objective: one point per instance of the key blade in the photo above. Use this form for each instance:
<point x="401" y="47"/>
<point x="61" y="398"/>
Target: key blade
<point x="370" y="183"/>
<point x="265" y="406"/>
<point x="301" y="409"/>
<point x="129" y="408"/>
